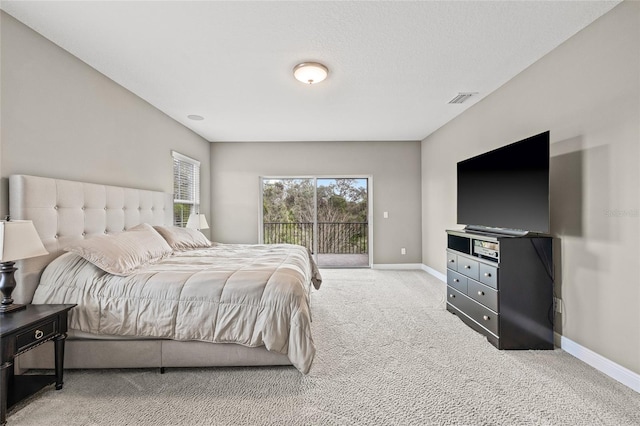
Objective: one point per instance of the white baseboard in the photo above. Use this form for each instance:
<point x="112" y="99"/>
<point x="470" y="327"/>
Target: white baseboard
<point x="597" y="361"/>
<point x="442" y="277"/>
<point x="600" y="363"/>
<point x="398" y="266"/>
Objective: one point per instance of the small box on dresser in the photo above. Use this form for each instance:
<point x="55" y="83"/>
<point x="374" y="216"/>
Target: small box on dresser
<point x="502" y="287"/>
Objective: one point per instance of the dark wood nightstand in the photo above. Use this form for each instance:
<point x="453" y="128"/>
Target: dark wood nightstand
<point x="21" y="331"/>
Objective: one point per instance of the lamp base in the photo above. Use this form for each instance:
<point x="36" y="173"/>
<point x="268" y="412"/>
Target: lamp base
<point x="7" y="284"/>
<point x="4" y="309"/>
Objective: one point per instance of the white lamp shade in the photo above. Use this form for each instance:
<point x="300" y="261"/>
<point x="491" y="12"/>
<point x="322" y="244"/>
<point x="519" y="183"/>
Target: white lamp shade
<point x="19" y="240"/>
<point x="310" y="72"/>
<point x="197" y="221"/>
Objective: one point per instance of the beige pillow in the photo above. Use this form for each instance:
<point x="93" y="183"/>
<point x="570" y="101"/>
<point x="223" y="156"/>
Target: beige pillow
<point x="183" y="238"/>
<point x="123" y="253"/>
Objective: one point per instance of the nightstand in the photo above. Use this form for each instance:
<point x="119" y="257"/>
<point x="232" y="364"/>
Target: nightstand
<point x="21" y="331"/>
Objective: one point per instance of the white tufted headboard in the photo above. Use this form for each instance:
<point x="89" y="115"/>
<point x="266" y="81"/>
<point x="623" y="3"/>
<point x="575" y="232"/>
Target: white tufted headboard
<point x="65" y="211"/>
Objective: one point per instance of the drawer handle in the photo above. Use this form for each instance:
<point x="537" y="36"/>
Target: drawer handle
<point x="38" y="334"/>
<point x="452" y="261"/>
<point x="455" y="280"/>
<point x="451" y="296"/>
<point x="486" y="318"/>
<point x="486" y="274"/>
<point x="481" y="293"/>
<point x="467" y="267"/>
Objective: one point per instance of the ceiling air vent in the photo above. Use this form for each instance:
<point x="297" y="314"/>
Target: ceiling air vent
<point x="461" y="97"/>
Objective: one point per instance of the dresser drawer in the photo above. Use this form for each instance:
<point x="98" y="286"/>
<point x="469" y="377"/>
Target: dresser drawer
<point x="457" y="281"/>
<point x="478" y="313"/>
<point x="457" y="299"/>
<point x="483" y="294"/>
<point x="452" y="261"/>
<point x="468" y="267"/>
<point x="482" y="315"/>
<point x="39" y="333"/>
<point x="489" y="275"/>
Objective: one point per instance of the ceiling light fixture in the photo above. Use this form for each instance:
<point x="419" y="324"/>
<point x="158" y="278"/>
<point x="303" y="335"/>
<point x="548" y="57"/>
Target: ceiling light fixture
<point x="310" y="72"/>
<point x="195" y="117"/>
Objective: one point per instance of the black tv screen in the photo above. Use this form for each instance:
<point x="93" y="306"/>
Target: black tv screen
<point x="507" y="187"/>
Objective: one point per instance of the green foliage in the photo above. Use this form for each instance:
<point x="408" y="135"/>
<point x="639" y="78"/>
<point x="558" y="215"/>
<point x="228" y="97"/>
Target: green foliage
<point x="287" y="201"/>
<point x="181" y="212"/>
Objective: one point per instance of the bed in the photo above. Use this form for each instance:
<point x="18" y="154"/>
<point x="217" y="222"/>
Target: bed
<point x="194" y="306"/>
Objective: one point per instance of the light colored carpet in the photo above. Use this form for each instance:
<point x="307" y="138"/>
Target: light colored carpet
<point x="388" y="354"/>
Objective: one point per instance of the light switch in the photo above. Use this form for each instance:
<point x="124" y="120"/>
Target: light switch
<point x="385" y="215"/>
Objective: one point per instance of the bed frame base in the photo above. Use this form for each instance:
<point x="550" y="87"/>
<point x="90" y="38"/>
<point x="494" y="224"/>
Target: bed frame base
<point x="85" y="353"/>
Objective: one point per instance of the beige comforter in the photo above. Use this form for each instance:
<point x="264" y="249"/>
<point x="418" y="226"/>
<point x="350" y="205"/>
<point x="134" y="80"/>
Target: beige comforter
<point x="252" y="295"/>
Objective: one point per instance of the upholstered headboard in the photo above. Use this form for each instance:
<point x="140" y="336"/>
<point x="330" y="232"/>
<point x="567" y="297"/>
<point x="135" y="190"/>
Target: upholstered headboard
<point x="65" y="211"/>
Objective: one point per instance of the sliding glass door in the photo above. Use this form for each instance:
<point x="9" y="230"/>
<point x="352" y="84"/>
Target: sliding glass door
<point x="328" y="215"/>
<point x="343" y="225"/>
<point x="288" y="211"/>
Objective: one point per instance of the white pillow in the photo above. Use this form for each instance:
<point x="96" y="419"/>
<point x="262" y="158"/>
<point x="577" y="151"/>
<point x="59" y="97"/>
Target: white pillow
<point x="123" y="253"/>
<point x="183" y="238"/>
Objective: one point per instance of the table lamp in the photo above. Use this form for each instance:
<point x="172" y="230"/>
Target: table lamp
<point x="18" y="240"/>
<point x="197" y="221"/>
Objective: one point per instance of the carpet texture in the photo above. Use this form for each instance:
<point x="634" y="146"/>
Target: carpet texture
<point x="388" y="353"/>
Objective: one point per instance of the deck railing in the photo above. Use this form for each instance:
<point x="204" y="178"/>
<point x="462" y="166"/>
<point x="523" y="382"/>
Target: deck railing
<point x="290" y="233"/>
<point x="333" y="237"/>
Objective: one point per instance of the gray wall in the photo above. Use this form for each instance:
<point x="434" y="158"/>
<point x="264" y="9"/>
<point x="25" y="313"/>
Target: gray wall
<point x="395" y="166"/>
<point x="63" y="119"/>
<point x="587" y="93"/>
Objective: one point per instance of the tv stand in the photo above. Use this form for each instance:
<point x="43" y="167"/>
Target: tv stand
<point x="502" y="286"/>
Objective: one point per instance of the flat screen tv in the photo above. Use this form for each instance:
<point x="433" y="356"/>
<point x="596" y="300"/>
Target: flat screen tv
<point x="507" y="189"/>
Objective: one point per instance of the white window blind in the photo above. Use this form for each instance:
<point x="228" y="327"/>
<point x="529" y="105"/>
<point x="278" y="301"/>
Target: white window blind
<point x="186" y="188"/>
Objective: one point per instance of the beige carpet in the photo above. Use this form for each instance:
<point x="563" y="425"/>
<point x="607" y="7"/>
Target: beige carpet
<point x="388" y="354"/>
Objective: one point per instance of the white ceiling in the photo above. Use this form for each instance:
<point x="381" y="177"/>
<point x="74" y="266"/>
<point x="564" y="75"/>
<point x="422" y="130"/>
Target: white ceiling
<point x="393" y="66"/>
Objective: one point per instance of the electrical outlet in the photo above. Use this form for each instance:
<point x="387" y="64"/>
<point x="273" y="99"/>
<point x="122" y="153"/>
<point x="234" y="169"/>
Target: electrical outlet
<point x="403" y="250"/>
<point x="557" y="305"/>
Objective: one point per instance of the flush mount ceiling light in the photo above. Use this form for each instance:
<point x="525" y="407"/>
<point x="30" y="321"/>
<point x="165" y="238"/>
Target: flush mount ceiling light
<point x="195" y="117"/>
<point x="310" y="72"/>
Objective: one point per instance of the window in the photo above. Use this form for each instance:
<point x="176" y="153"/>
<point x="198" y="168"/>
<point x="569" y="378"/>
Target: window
<point x="186" y="188"/>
